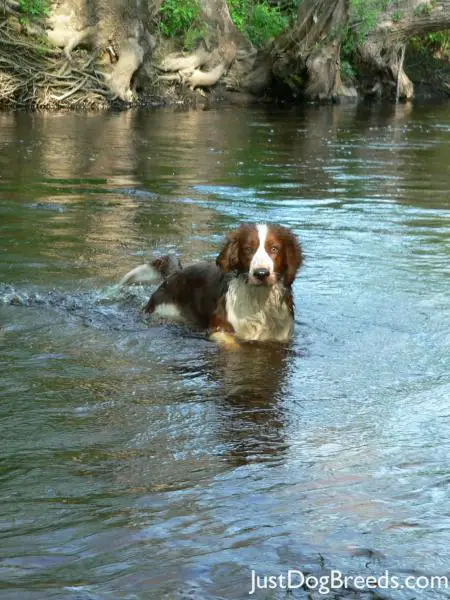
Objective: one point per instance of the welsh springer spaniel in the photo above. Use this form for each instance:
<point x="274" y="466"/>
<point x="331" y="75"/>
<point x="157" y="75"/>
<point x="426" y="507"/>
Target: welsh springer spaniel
<point x="246" y="293"/>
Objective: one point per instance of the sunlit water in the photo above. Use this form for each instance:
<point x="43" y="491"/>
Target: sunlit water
<point x="139" y="460"/>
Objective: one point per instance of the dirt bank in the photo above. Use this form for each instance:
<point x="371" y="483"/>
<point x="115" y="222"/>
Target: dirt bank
<point x="83" y="54"/>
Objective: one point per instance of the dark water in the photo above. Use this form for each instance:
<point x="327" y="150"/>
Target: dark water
<point x="143" y="462"/>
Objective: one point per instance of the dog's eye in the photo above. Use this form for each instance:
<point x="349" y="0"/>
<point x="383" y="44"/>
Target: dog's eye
<point x="248" y="249"/>
<point x="275" y="250"/>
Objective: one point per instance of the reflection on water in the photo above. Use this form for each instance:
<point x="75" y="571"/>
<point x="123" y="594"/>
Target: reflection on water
<point x="140" y="460"/>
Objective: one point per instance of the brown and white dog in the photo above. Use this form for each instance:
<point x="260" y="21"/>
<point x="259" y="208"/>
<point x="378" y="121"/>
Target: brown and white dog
<point x="246" y="293"/>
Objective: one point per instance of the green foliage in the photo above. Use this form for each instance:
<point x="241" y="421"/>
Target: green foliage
<point x="439" y="41"/>
<point x="266" y="22"/>
<point x="194" y="35"/>
<point x="348" y="72"/>
<point x="436" y="44"/>
<point x="259" y="21"/>
<point x="239" y="11"/>
<point x="363" y="17"/>
<point x="423" y="10"/>
<point x="34" y="8"/>
<point x="181" y="19"/>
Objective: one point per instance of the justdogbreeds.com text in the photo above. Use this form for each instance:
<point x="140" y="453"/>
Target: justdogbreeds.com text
<point x="326" y="584"/>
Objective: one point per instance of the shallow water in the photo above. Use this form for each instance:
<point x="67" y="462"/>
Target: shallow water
<point x="139" y="460"/>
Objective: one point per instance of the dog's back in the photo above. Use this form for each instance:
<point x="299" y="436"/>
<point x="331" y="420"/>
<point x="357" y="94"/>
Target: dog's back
<point x="193" y="293"/>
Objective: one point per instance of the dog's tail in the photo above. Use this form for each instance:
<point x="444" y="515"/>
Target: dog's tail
<point x="154" y="272"/>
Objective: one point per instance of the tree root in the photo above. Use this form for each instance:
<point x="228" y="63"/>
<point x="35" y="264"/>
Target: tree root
<point x="179" y="62"/>
<point x="34" y="75"/>
<point x="382" y="69"/>
<point x="119" y="79"/>
<point x="9" y="7"/>
<point x="188" y="69"/>
<point x="205" y="78"/>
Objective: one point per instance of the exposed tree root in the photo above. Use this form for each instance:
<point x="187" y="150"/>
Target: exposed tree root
<point x="70" y="42"/>
<point x="9" y="7"/>
<point x="35" y="75"/>
<point x="203" y="68"/>
<point x="180" y="62"/>
<point x="382" y="53"/>
<point x="119" y="79"/>
<point x="119" y="38"/>
<point x="382" y="70"/>
<point x="195" y="70"/>
<point x="205" y="78"/>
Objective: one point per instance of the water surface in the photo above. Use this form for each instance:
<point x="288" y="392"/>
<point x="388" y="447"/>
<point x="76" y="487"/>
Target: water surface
<point x="140" y="460"/>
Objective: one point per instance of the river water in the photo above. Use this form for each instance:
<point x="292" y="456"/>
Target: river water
<point x="138" y="460"/>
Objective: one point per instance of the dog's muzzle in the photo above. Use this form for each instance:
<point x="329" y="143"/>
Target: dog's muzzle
<point x="261" y="274"/>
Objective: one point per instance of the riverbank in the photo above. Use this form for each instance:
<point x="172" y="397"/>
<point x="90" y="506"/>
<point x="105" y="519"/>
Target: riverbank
<point x="101" y="74"/>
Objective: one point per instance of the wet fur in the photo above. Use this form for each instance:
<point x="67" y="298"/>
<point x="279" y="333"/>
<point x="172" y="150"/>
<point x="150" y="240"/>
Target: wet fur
<point x="220" y="298"/>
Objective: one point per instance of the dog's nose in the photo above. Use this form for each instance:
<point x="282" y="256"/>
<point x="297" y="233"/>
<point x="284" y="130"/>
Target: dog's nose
<point x="261" y="274"/>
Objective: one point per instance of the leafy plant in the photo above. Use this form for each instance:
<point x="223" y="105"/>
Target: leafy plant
<point x="439" y="41"/>
<point x="348" y="72"/>
<point x="177" y="18"/>
<point x="239" y="11"/>
<point x="423" y="10"/>
<point x="436" y="44"/>
<point x="34" y="8"/>
<point x="266" y="22"/>
<point x="259" y="21"/>
<point x="193" y="36"/>
<point x="363" y="17"/>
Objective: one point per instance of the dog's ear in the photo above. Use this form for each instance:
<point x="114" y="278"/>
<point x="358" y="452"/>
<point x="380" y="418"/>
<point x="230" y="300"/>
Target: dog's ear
<point x="293" y="257"/>
<point x="228" y="259"/>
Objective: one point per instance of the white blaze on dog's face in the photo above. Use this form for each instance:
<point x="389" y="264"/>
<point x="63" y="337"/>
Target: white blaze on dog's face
<point x="262" y="271"/>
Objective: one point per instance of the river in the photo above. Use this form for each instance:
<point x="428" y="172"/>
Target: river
<point x="139" y="460"/>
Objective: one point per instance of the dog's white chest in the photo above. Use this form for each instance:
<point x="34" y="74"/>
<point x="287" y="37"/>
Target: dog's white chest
<point x="258" y="312"/>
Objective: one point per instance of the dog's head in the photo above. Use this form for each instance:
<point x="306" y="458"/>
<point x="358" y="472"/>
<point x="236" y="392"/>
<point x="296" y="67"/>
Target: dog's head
<point x="264" y="253"/>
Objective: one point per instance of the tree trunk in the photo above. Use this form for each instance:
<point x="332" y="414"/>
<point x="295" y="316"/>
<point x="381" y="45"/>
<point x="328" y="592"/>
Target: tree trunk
<point x="381" y="54"/>
<point x="119" y="31"/>
<point x="306" y="57"/>
<point x="121" y="36"/>
<point x="229" y="56"/>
